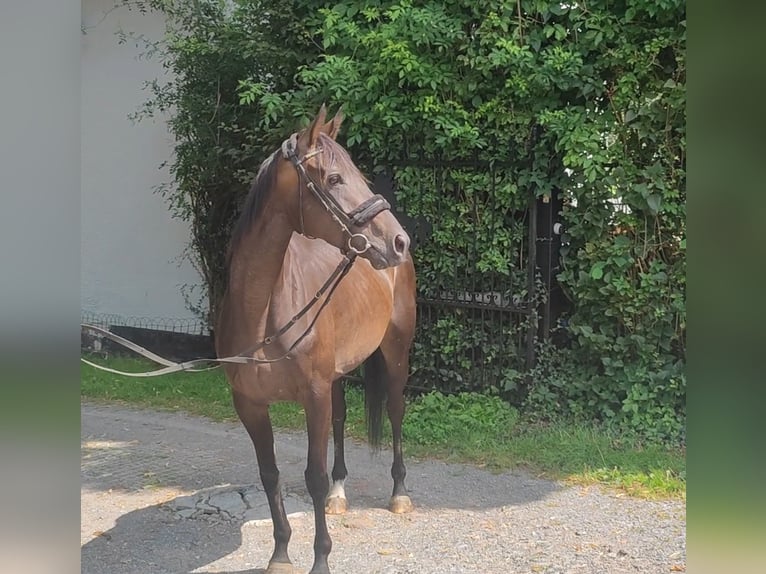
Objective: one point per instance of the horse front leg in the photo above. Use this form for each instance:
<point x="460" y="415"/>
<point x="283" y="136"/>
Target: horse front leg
<point x="336" y="501"/>
<point x="255" y="418"/>
<point x="318" y="414"/>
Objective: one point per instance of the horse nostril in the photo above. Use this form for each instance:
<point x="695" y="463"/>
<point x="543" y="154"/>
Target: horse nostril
<point x="401" y="242"/>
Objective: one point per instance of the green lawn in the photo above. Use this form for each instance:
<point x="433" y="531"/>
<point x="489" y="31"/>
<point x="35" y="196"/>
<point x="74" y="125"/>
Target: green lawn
<point x="468" y="428"/>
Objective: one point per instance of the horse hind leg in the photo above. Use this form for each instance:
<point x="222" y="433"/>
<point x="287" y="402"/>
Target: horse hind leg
<point x="386" y="371"/>
<point x="400" y="500"/>
<point x="256" y="421"/>
<point x="336" y="502"/>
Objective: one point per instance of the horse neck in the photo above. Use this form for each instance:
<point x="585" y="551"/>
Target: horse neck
<point x="257" y="262"/>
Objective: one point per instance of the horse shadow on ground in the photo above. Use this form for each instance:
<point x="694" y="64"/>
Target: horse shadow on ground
<point x="210" y="531"/>
<point x="151" y="541"/>
<point x="227" y="529"/>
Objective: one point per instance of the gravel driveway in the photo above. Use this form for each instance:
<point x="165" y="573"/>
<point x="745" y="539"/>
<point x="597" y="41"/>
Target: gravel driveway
<point x="171" y="493"/>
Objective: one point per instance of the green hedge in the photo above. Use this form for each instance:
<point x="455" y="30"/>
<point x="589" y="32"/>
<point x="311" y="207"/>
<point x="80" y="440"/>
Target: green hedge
<point x="588" y="100"/>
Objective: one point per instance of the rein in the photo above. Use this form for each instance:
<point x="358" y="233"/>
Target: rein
<point x="358" y="217"/>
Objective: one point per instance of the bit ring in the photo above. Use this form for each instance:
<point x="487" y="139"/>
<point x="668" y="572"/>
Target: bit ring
<point x="358" y="250"/>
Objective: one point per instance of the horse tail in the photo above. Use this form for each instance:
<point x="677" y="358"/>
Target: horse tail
<point x="374" y="397"/>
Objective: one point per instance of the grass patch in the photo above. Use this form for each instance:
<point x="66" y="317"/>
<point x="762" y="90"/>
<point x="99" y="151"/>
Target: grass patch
<point x="586" y="454"/>
<point x="205" y="393"/>
<point x="468" y="427"/>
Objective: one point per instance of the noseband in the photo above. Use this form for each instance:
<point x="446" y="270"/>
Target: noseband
<point x="358" y="217"/>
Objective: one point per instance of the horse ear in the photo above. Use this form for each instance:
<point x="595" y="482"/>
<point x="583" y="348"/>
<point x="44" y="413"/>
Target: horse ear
<point x="332" y="128"/>
<point x="316" y="127"/>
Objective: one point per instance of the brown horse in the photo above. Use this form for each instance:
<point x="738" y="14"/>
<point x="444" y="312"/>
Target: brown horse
<point x="308" y="215"/>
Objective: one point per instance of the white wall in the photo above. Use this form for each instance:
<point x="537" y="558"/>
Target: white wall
<point x="131" y="246"/>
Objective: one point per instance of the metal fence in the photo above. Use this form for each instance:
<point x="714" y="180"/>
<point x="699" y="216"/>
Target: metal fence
<point x="172" y="338"/>
<point x="475" y="330"/>
<point x="188" y="326"/>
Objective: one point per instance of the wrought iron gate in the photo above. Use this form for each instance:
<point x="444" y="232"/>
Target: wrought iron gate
<point x="478" y="331"/>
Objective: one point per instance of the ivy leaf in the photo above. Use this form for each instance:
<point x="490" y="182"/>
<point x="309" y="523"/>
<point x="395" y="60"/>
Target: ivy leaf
<point x="654" y="201"/>
<point x="597" y="271"/>
<point x="621" y="241"/>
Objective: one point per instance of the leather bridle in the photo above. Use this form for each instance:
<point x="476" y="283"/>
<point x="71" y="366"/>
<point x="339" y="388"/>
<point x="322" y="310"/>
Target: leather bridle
<point x="359" y="217"/>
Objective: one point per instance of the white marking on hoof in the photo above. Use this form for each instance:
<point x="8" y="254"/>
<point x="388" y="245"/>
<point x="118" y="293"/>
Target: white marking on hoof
<point x="336" y="499"/>
<point x="337" y="489"/>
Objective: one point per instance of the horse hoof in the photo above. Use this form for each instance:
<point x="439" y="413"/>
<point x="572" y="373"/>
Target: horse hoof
<point x="400" y="504"/>
<point x="335" y="505"/>
<point x="280" y="568"/>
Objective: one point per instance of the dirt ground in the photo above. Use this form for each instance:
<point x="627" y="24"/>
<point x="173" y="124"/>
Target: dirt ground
<point x="171" y="493"/>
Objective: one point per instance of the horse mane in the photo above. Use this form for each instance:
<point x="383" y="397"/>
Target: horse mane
<point x="262" y="185"/>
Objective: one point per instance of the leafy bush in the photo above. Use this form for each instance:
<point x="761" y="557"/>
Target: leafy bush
<point x="649" y="405"/>
<point x="589" y="102"/>
<point x="475" y="108"/>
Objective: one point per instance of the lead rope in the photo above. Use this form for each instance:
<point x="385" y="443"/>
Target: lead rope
<point x="245" y="357"/>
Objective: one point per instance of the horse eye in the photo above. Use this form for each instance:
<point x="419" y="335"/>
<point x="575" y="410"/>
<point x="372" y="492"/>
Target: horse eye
<point x="335" y="179"/>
